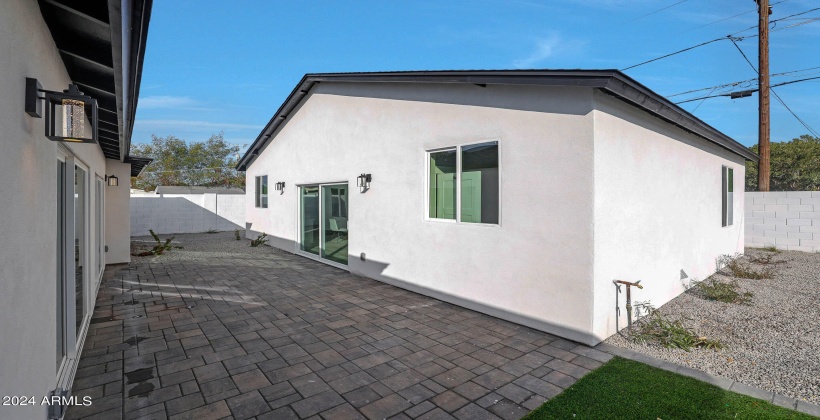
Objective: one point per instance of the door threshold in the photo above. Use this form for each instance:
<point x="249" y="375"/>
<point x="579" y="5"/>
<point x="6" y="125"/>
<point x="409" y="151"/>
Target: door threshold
<point x="315" y="257"/>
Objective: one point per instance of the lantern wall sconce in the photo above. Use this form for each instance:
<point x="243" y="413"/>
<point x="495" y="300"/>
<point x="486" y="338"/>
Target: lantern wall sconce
<point x="279" y="186"/>
<point x="112" y="181"/>
<point x="68" y="113"/>
<point x="363" y="182"/>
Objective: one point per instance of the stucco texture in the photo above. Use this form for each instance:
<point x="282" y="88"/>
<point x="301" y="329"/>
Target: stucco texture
<point x="535" y="267"/>
<point x="28" y="206"/>
<point x="591" y="190"/>
<point x="657" y="208"/>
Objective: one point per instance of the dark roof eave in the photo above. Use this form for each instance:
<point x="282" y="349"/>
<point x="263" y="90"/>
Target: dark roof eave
<point x="612" y="82"/>
<point x="138" y="163"/>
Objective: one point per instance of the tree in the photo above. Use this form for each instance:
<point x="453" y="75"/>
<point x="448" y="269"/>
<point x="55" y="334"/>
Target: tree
<point x="795" y="166"/>
<point x="209" y="163"/>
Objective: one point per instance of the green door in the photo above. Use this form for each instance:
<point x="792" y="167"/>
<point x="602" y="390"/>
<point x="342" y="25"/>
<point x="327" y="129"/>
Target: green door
<point x="445" y="196"/>
<point x="443" y="185"/>
<point x="471" y="197"/>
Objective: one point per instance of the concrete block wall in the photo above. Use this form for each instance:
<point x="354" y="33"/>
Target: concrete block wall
<point x="787" y="219"/>
<point x="186" y="213"/>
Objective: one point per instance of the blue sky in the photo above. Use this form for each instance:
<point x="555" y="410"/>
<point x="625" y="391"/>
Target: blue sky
<point x="214" y="66"/>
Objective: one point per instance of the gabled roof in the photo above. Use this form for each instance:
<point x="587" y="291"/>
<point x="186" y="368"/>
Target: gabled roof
<point x="611" y="82"/>
<point x="102" y="44"/>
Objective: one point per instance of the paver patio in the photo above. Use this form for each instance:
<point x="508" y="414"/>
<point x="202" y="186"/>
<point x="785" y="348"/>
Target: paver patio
<point x="280" y="336"/>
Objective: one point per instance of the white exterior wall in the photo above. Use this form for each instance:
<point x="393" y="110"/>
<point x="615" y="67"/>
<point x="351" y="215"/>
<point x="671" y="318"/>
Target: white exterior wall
<point x="186" y="213"/>
<point x="28" y="211"/>
<point x="786" y="219"/>
<point x="657" y="208"/>
<point x="535" y="268"/>
<point x="118" y="214"/>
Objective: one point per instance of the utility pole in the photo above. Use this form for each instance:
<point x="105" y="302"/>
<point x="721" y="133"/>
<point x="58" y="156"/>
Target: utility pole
<point x="764" y="127"/>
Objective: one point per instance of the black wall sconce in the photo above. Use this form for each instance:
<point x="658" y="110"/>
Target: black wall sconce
<point x="279" y="186"/>
<point x="112" y="180"/>
<point x="66" y="112"/>
<point x="363" y="182"/>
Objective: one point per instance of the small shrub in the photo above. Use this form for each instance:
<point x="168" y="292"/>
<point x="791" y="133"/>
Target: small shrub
<point x="724" y="292"/>
<point x="261" y="239"/>
<point x="771" y="248"/>
<point x="733" y="265"/>
<point x="657" y="329"/>
<point x="211" y="231"/>
<point x="236" y="234"/>
<point x="160" y="247"/>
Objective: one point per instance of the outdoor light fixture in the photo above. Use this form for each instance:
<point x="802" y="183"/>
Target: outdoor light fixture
<point x="279" y="186"/>
<point x="112" y="180"/>
<point x="363" y="181"/>
<point x="67" y="113"/>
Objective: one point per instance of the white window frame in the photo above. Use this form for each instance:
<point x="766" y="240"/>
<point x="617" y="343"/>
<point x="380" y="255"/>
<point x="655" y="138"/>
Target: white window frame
<point x="727" y="205"/>
<point x="458" y="148"/>
<point x="258" y="195"/>
<point x="99" y="226"/>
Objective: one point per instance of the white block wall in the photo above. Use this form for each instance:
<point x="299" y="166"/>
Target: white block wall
<point x="186" y="213"/>
<point x="787" y="219"/>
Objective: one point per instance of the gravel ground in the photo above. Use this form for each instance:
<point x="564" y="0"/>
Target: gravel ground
<point x="773" y="343"/>
<point x="199" y="246"/>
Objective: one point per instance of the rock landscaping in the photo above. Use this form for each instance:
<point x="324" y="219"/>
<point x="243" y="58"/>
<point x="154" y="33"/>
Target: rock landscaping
<point x="764" y="308"/>
<point x="198" y="246"/>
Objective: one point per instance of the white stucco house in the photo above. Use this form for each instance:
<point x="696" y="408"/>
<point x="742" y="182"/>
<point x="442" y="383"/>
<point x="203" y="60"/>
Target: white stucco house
<point x="520" y="194"/>
<point x="61" y="219"/>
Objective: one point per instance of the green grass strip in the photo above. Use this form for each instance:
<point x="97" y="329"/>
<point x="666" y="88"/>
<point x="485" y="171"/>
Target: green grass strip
<point x="624" y="389"/>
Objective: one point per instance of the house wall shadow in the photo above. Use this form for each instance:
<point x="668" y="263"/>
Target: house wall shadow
<point x="186" y="214"/>
<point x="375" y="270"/>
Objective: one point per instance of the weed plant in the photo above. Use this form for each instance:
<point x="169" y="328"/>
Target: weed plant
<point x="261" y="239"/>
<point x="670" y="333"/>
<point x="728" y="292"/>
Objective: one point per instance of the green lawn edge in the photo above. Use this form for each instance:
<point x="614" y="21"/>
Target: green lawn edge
<point x="625" y="389"/>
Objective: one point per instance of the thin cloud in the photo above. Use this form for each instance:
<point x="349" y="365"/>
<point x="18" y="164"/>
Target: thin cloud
<point x="161" y="102"/>
<point x="546" y="48"/>
<point x="194" y="125"/>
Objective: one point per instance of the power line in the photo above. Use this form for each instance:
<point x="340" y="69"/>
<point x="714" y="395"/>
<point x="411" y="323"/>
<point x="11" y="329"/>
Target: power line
<point x="749" y="91"/>
<point x="733" y="84"/>
<point x="779" y="99"/>
<point x="778" y="20"/>
<point x="732" y="17"/>
<point x="749" y="81"/>
<point x="702" y="100"/>
<point x="674" y="53"/>
<point x="806" y="22"/>
<point x="730" y="36"/>
<point x="659" y="10"/>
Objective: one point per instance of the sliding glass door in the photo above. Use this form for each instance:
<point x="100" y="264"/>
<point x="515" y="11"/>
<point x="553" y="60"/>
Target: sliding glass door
<point x="309" y="219"/>
<point x="61" y="304"/>
<point x="323" y="221"/>
<point x="80" y="245"/>
<point x="334" y="223"/>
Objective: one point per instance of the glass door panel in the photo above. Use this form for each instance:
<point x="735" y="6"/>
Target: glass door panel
<point x="99" y="226"/>
<point x="309" y="219"/>
<point x="79" y="244"/>
<point x="61" y="266"/>
<point x="334" y="222"/>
